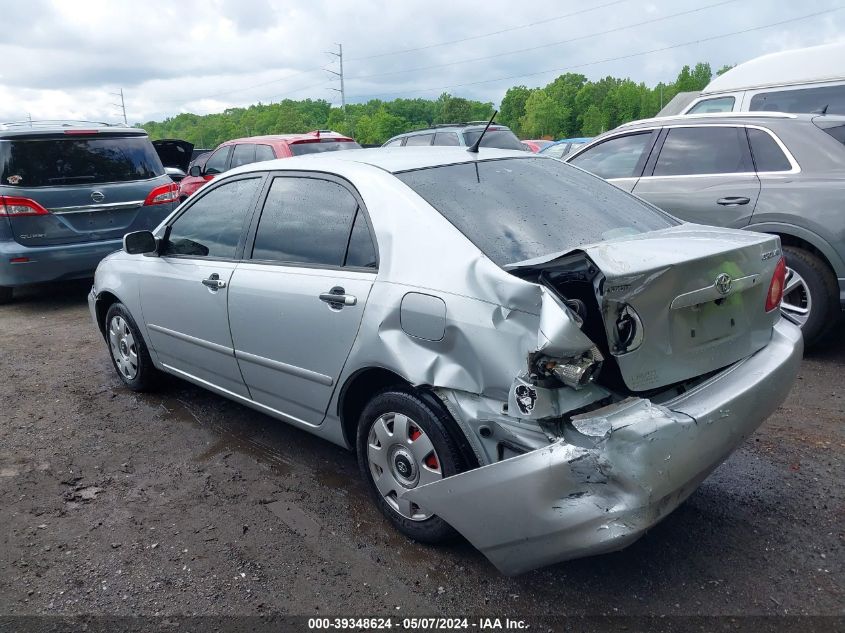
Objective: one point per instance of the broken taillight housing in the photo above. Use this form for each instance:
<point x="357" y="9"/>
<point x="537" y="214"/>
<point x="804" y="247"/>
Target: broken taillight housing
<point x="776" y="286"/>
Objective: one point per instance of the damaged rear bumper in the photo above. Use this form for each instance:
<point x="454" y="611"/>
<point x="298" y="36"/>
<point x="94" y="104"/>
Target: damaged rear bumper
<point x="628" y="466"/>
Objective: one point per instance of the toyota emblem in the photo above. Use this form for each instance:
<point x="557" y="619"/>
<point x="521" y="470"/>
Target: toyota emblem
<point x="723" y="283"/>
<point x="98" y="196"/>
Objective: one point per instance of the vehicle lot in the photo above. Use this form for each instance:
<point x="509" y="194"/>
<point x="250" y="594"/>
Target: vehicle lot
<point x="182" y="502"/>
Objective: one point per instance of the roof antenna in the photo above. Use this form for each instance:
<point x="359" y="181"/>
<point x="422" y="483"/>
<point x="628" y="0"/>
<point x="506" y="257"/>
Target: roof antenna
<point x="474" y="147"/>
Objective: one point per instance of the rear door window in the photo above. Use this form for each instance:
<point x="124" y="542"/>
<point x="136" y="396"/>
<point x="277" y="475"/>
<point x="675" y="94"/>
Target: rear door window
<point x="212" y="226"/>
<point x="618" y="157"/>
<point x="768" y="156"/>
<point x="502" y="139"/>
<point x="395" y="143"/>
<point x="49" y="162"/>
<point x="446" y="138"/>
<point x="243" y="154"/>
<point x="306" y="221"/>
<point x="690" y="151"/>
<point x="419" y="139"/>
<point x="218" y="162"/>
<point x="264" y="152"/>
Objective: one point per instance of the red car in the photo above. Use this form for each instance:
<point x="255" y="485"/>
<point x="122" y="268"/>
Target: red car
<point x="241" y="151"/>
<point x="535" y="145"/>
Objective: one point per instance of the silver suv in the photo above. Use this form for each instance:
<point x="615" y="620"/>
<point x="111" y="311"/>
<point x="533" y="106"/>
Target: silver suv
<point x="775" y="173"/>
<point x="459" y="135"/>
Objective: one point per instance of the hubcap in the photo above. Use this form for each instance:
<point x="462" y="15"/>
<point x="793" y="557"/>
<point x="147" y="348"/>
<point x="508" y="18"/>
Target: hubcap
<point x="401" y="456"/>
<point x="797" y="301"/>
<point x="123" y="349"/>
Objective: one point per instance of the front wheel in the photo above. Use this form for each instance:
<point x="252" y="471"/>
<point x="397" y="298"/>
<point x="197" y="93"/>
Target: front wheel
<point x="811" y="294"/>
<point x="404" y="442"/>
<point x="129" y="353"/>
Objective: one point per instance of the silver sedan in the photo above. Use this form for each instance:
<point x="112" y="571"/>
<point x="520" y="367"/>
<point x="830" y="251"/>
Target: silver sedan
<point x="518" y="351"/>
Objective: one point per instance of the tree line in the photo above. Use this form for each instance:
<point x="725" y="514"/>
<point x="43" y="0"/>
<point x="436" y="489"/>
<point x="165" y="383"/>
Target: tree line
<point x="569" y="106"/>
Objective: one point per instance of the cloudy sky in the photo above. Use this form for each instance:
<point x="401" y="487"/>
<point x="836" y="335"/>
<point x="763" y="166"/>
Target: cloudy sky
<point x="62" y="59"/>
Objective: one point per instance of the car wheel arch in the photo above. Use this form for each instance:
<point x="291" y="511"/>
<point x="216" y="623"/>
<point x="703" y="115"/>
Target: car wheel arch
<point x="105" y="300"/>
<point x="802" y="238"/>
<point x="365" y="383"/>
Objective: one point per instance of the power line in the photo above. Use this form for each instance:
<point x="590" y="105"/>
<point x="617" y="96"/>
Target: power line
<point x="491" y="33"/>
<point x="609" y="59"/>
<point x="541" y="46"/>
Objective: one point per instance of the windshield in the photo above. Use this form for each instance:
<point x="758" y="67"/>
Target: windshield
<point x="521" y="208"/>
<point x="46" y="162"/>
<point x="310" y="147"/>
<point x="502" y="139"/>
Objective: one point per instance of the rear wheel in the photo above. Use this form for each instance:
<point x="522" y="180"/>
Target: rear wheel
<point x="811" y="294"/>
<point x="129" y="353"/>
<point x="5" y="295"/>
<point x="404" y="442"/>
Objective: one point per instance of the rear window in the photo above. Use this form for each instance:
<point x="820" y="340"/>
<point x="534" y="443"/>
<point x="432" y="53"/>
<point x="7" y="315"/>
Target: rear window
<point x="48" y="162"/>
<point x="521" y="208"/>
<point x="311" y="147"/>
<point x="502" y="139"/>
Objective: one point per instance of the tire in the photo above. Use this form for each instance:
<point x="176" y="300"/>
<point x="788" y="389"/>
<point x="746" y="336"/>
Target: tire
<point x="811" y="296"/>
<point x="383" y="416"/>
<point x="5" y="295"/>
<point x="128" y="351"/>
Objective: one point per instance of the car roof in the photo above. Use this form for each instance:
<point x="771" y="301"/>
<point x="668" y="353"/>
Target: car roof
<point x="12" y="129"/>
<point x="796" y="66"/>
<point x="390" y="159"/>
<point x="290" y="138"/>
<point x="716" y="118"/>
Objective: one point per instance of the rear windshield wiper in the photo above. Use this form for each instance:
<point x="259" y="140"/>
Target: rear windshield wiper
<point x="71" y="178"/>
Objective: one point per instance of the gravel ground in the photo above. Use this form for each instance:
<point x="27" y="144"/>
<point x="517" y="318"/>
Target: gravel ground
<point x="181" y="502"/>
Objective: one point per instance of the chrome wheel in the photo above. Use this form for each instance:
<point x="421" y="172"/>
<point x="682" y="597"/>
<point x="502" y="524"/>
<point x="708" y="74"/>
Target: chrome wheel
<point x="797" y="301"/>
<point x="123" y="348"/>
<point x="401" y="456"/>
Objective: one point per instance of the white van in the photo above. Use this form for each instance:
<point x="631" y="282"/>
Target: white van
<point x="800" y="80"/>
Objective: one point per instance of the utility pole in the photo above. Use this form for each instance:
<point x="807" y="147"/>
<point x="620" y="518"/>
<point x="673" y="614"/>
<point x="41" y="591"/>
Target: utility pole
<point x="342" y="89"/>
<point x="29" y="118"/>
<point x="121" y="105"/>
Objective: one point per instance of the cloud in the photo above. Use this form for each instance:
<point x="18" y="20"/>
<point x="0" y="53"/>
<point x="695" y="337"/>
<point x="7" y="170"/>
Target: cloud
<point x="63" y="59"/>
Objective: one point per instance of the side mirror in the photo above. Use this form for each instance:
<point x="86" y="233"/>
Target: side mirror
<point x="139" y="242"/>
<point x="195" y="171"/>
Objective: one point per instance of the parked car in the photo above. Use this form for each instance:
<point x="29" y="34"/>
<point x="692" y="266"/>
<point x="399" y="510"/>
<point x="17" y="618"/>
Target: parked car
<point x="536" y="145"/>
<point x="243" y="151"/>
<point x="459" y="135"/>
<point x="440" y="310"/>
<point x="69" y="191"/>
<point x="561" y="148"/>
<point x="774" y="173"/>
<point x="808" y="80"/>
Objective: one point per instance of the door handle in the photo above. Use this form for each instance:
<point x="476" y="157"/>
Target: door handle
<point x="337" y="298"/>
<point x="214" y="282"/>
<point x="733" y="201"/>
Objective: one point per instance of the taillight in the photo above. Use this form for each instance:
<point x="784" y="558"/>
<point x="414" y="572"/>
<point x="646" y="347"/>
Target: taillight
<point x="13" y="207"/>
<point x="776" y="285"/>
<point x="163" y="194"/>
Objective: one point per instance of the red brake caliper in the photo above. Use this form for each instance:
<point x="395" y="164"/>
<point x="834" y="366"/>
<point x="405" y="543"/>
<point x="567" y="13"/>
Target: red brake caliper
<point x="431" y="460"/>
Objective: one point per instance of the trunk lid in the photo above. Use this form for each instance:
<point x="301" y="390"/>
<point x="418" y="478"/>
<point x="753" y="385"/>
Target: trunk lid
<point x="677" y="303"/>
<point x="174" y="152"/>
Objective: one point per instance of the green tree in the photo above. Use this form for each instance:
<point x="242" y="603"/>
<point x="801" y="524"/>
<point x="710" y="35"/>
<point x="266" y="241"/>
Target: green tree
<point x="544" y="116"/>
<point x="513" y="107"/>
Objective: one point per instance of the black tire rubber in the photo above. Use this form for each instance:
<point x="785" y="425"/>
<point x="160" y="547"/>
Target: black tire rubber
<point x="147" y="376"/>
<point x="5" y="294"/>
<point x="439" y="426"/>
<point x="823" y="288"/>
